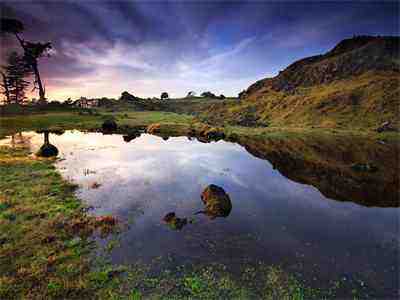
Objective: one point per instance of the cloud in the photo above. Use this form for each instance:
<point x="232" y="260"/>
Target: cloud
<point x="104" y="48"/>
<point x="116" y="55"/>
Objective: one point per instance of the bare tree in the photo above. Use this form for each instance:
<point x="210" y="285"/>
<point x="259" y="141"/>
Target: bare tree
<point x="32" y="51"/>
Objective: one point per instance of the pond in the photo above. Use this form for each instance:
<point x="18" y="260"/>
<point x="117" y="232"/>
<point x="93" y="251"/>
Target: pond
<point x="301" y="204"/>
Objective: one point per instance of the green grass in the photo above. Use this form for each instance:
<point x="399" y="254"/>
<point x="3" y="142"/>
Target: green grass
<point x="46" y="246"/>
<point x="74" y="120"/>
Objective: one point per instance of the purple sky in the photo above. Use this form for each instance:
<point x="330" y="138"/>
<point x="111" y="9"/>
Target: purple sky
<point x="103" y="48"/>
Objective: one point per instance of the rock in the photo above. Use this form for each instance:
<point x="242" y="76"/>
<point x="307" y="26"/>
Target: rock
<point x="174" y="222"/>
<point x="109" y="125"/>
<point x="47" y="150"/>
<point x="131" y="136"/>
<point x="367" y="167"/>
<point x="217" y="201"/>
<point x="386" y="126"/>
<point x="153" y="128"/>
<point x="215" y="134"/>
<point x="168" y="217"/>
<point x="203" y="130"/>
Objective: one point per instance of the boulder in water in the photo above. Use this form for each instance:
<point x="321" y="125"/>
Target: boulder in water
<point x="174" y="222"/>
<point x="217" y="201"/>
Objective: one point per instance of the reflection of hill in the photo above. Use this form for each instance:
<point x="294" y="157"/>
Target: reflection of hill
<point x="326" y="163"/>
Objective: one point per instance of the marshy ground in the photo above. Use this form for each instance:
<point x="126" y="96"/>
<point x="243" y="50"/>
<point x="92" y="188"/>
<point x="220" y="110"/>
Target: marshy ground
<point x="49" y="237"/>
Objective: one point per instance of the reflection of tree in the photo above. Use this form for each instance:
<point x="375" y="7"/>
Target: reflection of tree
<point x="47" y="149"/>
<point x="19" y="140"/>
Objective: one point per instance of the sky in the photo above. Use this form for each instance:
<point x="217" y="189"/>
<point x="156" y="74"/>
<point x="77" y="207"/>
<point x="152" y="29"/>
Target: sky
<point x="102" y="48"/>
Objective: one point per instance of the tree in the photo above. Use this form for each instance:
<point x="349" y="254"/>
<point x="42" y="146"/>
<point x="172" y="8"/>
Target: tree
<point x="208" y="95"/>
<point x="5" y="85"/>
<point x="222" y="97"/>
<point x="164" y="95"/>
<point x="14" y="74"/>
<point x="191" y="94"/>
<point x="125" y="96"/>
<point x="32" y="51"/>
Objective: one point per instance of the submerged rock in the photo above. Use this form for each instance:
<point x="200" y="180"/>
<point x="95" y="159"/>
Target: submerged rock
<point x="174" y="222"/>
<point x="217" y="202"/>
<point x="109" y="125"/>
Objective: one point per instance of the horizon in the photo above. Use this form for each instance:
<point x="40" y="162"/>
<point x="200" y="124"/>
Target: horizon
<point x="103" y="49"/>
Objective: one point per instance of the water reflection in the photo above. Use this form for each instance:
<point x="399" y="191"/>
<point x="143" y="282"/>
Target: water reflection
<point x="131" y="136"/>
<point x="363" y="171"/>
<point x="47" y="149"/>
<point x="285" y="195"/>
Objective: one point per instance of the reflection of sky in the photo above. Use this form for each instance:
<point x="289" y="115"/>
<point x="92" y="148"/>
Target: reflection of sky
<point x="272" y="219"/>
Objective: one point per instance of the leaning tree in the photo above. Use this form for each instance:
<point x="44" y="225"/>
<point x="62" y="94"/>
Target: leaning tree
<point x="32" y="51"/>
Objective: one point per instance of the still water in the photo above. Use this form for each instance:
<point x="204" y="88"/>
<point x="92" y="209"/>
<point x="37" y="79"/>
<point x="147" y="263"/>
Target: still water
<point x="351" y="233"/>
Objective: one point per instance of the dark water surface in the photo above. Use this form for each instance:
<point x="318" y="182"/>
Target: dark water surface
<point x="351" y="233"/>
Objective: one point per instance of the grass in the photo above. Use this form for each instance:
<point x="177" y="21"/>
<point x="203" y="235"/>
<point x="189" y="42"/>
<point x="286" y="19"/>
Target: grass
<point x="360" y="104"/>
<point x="46" y="246"/>
<point x="74" y="120"/>
<point x="46" y="237"/>
<point x="172" y="123"/>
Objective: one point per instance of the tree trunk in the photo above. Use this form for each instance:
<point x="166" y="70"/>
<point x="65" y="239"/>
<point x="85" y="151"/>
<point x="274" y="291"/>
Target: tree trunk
<point x="46" y="138"/>
<point x="42" y="98"/>
<point x="7" y="92"/>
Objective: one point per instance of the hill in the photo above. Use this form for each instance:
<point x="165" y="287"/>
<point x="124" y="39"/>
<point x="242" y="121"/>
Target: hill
<point x="354" y="85"/>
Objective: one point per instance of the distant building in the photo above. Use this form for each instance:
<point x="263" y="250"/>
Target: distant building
<point x="87" y="103"/>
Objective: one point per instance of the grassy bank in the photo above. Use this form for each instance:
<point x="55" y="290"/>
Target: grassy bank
<point x="45" y="246"/>
<point x="44" y="232"/>
<point x="47" y="240"/>
<point x="171" y="123"/>
<point x="76" y="120"/>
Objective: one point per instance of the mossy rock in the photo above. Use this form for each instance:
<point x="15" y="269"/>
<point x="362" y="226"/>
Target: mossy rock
<point x="174" y="222"/>
<point x="153" y="128"/>
<point x="217" y="201"/>
<point x="47" y="150"/>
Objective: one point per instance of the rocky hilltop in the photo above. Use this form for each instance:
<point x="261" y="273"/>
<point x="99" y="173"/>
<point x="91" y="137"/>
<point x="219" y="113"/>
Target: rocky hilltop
<point x="356" y="84"/>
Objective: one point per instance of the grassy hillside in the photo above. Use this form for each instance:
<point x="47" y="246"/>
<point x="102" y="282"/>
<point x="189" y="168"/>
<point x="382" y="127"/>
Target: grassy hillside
<point x="354" y="86"/>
